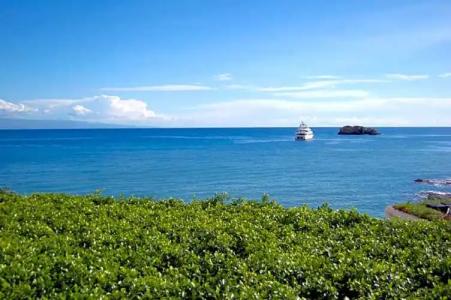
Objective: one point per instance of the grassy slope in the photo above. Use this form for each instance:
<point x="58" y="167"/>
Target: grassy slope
<point x="420" y="209"/>
<point x="60" y="245"/>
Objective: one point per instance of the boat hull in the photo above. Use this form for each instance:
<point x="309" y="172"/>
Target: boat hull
<point x="304" y="137"/>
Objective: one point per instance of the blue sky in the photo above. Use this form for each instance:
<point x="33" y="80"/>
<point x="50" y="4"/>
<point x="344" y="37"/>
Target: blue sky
<point x="227" y="63"/>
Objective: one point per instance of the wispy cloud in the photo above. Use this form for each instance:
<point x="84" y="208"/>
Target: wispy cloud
<point x="10" y="107"/>
<point x="322" y="77"/>
<point x="240" y="87"/>
<point x="309" y="85"/>
<point x="160" y="88"/>
<point x="50" y="104"/>
<point x="445" y="75"/>
<point x="319" y="84"/>
<point x="223" y="77"/>
<point x="409" y="77"/>
<point x="325" y="93"/>
<point x="302" y="87"/>
<point x="282" y="112"/>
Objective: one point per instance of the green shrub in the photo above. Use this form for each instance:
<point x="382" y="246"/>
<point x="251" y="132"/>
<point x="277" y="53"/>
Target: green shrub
<point x="93" y="246"/>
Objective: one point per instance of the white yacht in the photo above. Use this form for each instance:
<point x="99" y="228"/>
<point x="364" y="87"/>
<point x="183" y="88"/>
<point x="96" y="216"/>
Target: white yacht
<point x="303" y="133"/>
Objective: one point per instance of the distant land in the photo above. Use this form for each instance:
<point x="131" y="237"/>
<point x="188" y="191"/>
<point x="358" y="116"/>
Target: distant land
<point x="52" y="124"/>
<point x="17" y="123"/>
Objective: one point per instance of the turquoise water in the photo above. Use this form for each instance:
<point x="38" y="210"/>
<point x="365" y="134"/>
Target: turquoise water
<point x="365" y="172"/>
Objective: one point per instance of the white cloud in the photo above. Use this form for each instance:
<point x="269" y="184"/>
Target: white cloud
<point x="408" y="77"/>
<point x="418" y="111"/>
<point x="9" y="107"/>
<point x="160" y="88"/>
<point x="129" y="110"/>
<point x="282" y="112"/>
<point x="103" y="108"/>
<point x="223" y="77"/>
<point x="445" y="75"/>
<point x="80" y="110"/>
<point x="329" y="93"/>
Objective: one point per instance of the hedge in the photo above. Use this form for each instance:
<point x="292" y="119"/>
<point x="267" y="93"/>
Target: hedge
<point x="94" y="246"/>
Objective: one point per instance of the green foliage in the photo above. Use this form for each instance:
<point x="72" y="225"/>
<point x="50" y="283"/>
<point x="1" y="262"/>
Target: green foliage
<point x="93" y="246"/>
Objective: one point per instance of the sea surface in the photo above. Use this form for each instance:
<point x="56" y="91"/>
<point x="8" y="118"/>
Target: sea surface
<point x="363" y="172"/>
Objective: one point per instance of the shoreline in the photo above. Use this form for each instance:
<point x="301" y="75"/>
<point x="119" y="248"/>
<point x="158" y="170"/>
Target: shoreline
<point x="391" y="213"/>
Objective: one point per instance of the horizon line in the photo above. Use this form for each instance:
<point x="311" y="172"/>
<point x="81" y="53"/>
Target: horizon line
<point x="212" y="127"/>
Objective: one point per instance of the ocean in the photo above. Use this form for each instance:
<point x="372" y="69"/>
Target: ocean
<point x="362" y="172"/>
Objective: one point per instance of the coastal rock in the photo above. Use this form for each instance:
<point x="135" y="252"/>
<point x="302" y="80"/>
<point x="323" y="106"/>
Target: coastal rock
<point x="393" y="213"/>
<point x="440" y="196"/>
<point x="358" y="130"/>
<point x="434" y="181"/>
<point x="431" y="195"/>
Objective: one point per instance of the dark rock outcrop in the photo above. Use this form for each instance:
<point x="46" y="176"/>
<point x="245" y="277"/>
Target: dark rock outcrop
<point x="358" y="130"/>
<point x="434" y="181"/>
<point x="433" y="195"/>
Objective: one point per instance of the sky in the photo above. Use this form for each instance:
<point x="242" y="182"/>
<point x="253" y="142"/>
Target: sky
<point x="226" y="63"/>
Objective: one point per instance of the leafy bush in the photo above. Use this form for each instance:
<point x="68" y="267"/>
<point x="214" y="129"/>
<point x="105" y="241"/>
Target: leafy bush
<point x="60" y="246"/>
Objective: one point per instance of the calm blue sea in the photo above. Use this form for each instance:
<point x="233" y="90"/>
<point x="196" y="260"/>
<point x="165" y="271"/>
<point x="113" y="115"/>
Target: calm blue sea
<point x="365" y="172"/>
